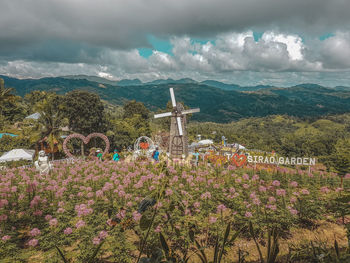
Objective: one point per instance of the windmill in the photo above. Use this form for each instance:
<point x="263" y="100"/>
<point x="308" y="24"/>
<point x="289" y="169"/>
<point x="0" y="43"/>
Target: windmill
<point x="178" y="143"/>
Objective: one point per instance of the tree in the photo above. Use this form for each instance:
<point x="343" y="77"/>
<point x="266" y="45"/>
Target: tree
<point x="85" y="112"/>
<point x="11" y="108"/>
<point x="133" y="124"/>
<point x="34" y="97"/>
<point x="5" y="95"/>
<point x="341" y="157"/>
<point x="133" y="107"/>
<point x="51" y="120"/>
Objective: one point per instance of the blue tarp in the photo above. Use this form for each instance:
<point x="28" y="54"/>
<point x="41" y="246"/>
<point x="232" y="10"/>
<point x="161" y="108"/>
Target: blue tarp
<point x="10" y="134"/>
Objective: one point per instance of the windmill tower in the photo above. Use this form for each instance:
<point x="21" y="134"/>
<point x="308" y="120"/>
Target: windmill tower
<point x="178" y="144"/>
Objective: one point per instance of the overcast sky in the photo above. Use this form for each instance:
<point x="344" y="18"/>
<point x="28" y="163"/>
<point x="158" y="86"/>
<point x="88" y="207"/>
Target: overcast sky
<point x="247" y="42"/>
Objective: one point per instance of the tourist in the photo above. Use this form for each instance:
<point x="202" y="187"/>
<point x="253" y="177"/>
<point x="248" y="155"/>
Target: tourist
<point x="99" y="155"/>
<point x="196" y="154"/>
<point x="116" y="156"/>
<point x="155" y="155"/>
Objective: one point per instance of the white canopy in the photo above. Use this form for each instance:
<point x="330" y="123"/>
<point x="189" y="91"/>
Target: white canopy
<point x="17" y="154"/>
<point x="205" y="142"/>
<point x="34" y="116"/>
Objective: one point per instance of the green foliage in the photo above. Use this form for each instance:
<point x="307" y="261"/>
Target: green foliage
<point x="341" y="156"/>
<point x="217" y="105"/>
<point x="327" y="139"/>
<point x="133" y="107"/>
<point x="85" y="112"/>
<point x="135" y="123"/>
<point x="8" y="143"/>
<point x="11" y="107"/>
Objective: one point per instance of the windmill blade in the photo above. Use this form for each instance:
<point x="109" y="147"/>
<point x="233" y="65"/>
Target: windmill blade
<point x="179" y="125"/>
<point x="191" y="111"/>
<point x="161" y="115"/>
<point x="172" y="95"/>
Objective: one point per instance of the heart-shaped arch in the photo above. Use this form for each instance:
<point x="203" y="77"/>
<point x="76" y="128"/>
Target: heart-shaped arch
<point x="85" y="141"/>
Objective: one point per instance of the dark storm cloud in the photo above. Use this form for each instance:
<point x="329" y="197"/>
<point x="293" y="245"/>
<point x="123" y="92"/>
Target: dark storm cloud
<point x="125" y="24"/>
<point x="63" y="37"/>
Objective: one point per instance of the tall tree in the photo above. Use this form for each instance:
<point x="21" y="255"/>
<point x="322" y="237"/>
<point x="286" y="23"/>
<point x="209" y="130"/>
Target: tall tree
<point x="11" y="107"/>
<point x="133" y="107"/>
<point x="85" y="112"/>
<point x="6" y="95"/>
<point x="52" y="119"/>
<point x="341" y="157"/>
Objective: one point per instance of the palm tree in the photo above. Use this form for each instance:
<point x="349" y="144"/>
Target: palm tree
<point x="51" y="120"/>
<point x="5" y="95"/>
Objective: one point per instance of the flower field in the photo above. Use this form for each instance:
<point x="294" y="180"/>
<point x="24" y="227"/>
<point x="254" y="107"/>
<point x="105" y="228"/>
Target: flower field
<point x="145" y="212"/>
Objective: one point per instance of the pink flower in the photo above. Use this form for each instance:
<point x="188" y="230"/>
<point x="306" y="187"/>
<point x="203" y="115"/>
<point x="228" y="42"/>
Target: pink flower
<point x="80" y="224"/>
<point x="34" y="232"/>
<point x="158" y="229"/>
<point x="272" y="199"/>
<point x="255" y="177"/>
<point x="248" y="214"/>
<point x="281" y="192"/>
<point x="68" y="231"/>
<point x="339" y="189"/>
<point x="220" y="208"/>
<point x="294" y="184"/>
<point x="96" y="241"/>
<point x="99" y="193"/>
<point x="48" y="217"/>
<point x="293" y="211"/>
<point x="305" y="191"/>
<point x="196" y="204"/>
<point x="246" y="186"/>
<point x="293" y="199"/>
<point x="212" y="219"/>
<point x="325" y="190"/>
<point x="276" y="183"/>
<point x="103" y="234"/>
<point x="5" y="238"/>
<point x="137" y="216"/>
<point x="256" y="201"/>
<point x="262" y="188"/>
<point x="272" y="207"/>
<point x="245" y="176"/>
<point x="206" y="195"/>
<point x="33" y="242"/>
<point x="53" y="222"/>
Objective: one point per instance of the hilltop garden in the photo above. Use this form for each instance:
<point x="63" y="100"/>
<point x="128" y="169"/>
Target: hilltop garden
<point x="140" y="211"/>
<point x="144" y="212"/>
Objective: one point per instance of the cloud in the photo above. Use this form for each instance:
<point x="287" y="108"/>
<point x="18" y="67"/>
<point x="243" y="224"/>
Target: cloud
<point x="121" y="24"/>
<point x="335" y="51"/>
<point x="65" y="37"/>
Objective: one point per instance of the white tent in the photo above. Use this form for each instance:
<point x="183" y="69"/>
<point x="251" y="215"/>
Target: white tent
<point x="205" y="142"/>
<point x="34" y="116"/>
<point x="17" y="154"/>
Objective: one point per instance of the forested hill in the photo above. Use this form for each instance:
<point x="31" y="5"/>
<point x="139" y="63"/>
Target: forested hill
<point x="216" y="104"/>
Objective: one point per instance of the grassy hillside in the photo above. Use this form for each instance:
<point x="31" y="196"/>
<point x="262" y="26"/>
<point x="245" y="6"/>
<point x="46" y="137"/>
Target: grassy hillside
<point x="217" y="104"/>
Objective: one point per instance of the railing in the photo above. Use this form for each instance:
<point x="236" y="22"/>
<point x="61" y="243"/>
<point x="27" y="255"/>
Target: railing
<point x="67" y="160"/>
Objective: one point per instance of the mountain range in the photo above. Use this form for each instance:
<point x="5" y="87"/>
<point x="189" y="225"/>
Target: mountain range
<point x="219" y="102"/>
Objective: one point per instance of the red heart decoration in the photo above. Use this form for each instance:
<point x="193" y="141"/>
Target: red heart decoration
<point x="86" y="141"/>
<point x="144" y="145"/>
<point x="239" y="160"/>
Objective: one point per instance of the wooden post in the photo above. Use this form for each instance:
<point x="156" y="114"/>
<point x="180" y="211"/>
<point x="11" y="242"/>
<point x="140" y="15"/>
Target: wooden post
<point x="82" y="149"/>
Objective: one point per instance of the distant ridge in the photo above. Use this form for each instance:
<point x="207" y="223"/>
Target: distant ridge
<point x="218" y="104"/>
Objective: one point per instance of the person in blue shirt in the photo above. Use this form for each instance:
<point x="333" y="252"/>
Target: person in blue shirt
<point x="196" y="154"/>
<point x="116" y="156"/>
<point x="155" y="155"/>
